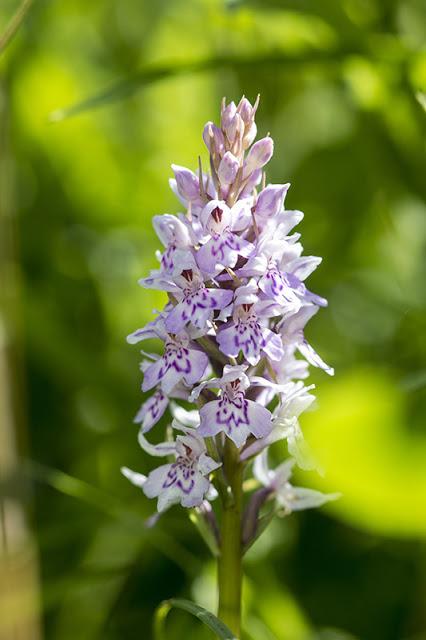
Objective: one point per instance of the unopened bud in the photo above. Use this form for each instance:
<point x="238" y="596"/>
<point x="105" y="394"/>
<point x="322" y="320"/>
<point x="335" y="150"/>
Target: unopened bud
<point x="260" y="153"/>
<point x="187" y="183"/>
<point x="235" y="131"/>
<point x="249" y="135"/>
<point x="228" y="168"/>
<point x="247" y="113"/>
<point x="245" y="110"/>
<point x="233" y="127"/>
<point x="213" y="139"/>
<point x="270" y="200"/>
<point x="227" y="115"/>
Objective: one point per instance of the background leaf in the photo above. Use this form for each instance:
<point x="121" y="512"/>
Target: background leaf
<point x="207" y="618"/>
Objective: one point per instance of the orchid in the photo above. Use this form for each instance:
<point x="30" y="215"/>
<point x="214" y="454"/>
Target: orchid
<point x="183" y="481"/>
<point x="233" y="346"/>
<point x="247" y="331"/>
<point x="232" y="413"/>
<point x="288" y="497"/>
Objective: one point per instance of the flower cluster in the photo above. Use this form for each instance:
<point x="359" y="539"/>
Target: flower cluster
<point x="232" y="331"/>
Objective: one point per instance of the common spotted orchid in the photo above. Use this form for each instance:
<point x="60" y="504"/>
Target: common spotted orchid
<point x="233" y="345"/>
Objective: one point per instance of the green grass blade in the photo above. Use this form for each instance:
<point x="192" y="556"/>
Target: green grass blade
<point x="16" y="21"/>
<point x="149" y="75"/>
<point x="207" y="618"/>
<point x="110" y="505"/>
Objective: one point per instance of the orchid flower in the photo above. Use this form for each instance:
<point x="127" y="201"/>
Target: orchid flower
<point x="183" y="481"/>
<point x="288" y="497"/>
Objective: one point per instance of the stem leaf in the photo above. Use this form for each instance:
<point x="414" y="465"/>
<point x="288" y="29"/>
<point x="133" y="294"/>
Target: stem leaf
<point x="207" y="618"/>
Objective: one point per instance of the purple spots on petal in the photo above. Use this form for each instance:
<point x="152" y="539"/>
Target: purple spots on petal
<point x="181" y="474"/>
<point x="167" y="259"/>
<point x="232" y="412"/>
<point x="246" y="335"/>
<point x="284" y="288"/>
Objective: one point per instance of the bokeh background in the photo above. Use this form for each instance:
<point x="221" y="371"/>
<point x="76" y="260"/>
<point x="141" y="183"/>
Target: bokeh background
<point x="342" y="89"/>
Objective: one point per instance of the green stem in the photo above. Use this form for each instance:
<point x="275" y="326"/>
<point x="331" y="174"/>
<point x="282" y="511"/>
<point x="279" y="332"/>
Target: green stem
<point x="230" y="559"/>
<point x="14" y="24"/>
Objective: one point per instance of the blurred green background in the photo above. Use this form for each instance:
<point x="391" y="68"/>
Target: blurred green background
<point x="343" y="93"/>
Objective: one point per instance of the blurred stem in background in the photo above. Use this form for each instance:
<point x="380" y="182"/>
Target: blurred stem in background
<point x="13" y="26"/>
<point x="19" y="602"/>
<point x="230" y="559"/>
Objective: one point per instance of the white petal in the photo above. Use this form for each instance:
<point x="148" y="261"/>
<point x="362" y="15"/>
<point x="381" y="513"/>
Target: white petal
<point x="196" y="497"/>
<point x="282" y="474"/>
<point x="313" y="358"/>
<point x="168" y="498"/>
<point x="261" y="469"/>
<point x="187" y="418"/>
<point x="299" y="498"/>
<point x="206" y="464"/>
<point x="153" y="485"/>
<point x="158" y="450"/>
<point x="138" y="479"/>
<point x="260" y="419"/>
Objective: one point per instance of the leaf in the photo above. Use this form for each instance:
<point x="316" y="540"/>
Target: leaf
<point x="147" y="76"/>
<point x="207" y="618"/>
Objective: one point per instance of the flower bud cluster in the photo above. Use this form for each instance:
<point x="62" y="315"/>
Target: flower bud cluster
<point x="232" y="331"/>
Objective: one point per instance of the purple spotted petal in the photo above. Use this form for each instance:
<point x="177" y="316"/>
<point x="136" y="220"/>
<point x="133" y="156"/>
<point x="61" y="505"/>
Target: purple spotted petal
<point x="156" y="480"/>
<point x="197" y="307"/>
<point x="241" y="336"/>
<point x="179" y="482"/>
<point x="237" y="417"/>
<point x="272" y="345"/>
<point x="226" y="416"/>
<point x="195" y="496"/>
<point x="251" y="339"/>
<point x="276" y="285"/>
<point x="198" y="362"/>
<point x="151" y="411"/>
<point x="178" y="362"/>
<point x="153" y="374"/>
<point x="222" y="251"/>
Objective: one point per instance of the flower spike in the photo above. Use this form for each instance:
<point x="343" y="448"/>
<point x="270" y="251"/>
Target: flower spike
<point x="234" y="273"/>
